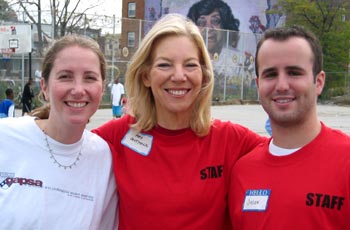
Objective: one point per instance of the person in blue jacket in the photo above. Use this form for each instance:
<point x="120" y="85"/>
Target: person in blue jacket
<point x="7" y="106"/>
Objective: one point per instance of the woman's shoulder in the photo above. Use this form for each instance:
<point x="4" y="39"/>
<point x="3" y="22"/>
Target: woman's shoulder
<point x="232" y="129"/>
<point x="94" y="141"/>
<point x="221" y="124"/>
<point x="20" y="122"/>
<point x="114" y="127"/>
<point x="120" y="123"/>
<point x="18" y="128"/>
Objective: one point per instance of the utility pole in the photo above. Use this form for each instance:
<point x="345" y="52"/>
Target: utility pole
<point x="53" y="19"/>
<point x="113" y="42"/>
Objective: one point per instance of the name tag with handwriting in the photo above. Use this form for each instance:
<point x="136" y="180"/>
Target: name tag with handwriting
<point x="139" y="142"/>
<point x="256" y="200"/>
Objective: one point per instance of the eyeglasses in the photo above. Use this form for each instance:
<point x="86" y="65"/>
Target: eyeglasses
<point x="214" y="21"/>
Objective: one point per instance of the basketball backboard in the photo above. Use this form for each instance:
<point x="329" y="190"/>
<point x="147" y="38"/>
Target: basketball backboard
<point x="17" y="38"/>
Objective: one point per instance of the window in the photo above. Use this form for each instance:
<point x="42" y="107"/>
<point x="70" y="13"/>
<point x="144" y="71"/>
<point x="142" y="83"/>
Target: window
<point x="131" y="39"/>
<point x="343" y="17"/>
<point x="131" y="9"/>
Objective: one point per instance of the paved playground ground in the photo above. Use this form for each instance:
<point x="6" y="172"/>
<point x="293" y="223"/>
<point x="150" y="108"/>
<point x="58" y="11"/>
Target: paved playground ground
<point x="253" y="116"/>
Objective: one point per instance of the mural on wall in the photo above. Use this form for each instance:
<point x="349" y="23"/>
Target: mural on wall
<point x="230" y="28"/>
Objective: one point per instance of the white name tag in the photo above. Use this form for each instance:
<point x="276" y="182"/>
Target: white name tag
<point x="256" y="200"/>
<point x="139" y="142"/>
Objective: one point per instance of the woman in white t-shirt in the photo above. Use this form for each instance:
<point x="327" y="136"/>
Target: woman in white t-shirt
<point x="55" y="174"/>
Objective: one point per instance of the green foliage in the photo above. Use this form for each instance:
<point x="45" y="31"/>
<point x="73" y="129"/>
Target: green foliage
<point x="325" y="19"/>
<point x="333" y="92"/>
<point x="6" y="12"/>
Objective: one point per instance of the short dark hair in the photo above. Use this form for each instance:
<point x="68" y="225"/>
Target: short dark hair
<point x="283" y="34"/>
<point x="8" y="92"/>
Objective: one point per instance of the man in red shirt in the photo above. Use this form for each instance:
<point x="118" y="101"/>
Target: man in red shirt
<point x="300" y="179"/>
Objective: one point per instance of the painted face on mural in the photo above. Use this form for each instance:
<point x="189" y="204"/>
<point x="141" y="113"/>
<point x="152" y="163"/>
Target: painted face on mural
<point x="210" y="27"/>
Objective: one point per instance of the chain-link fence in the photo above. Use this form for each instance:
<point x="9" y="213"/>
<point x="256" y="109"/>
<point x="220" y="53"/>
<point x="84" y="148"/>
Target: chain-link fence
<point x="232" y="55"/>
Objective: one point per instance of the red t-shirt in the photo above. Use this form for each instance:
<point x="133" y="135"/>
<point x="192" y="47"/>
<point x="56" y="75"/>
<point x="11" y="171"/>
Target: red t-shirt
<point x="308" y="189"/>
<point x="175" y="179"/>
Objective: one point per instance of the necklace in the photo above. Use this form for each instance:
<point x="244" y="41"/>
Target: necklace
<point x="55" y="161"/>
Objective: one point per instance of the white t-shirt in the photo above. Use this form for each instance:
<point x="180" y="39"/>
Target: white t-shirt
<point x="117" y="91"/>
<point x="12" y="110"/>
<point x="35" y="193"/>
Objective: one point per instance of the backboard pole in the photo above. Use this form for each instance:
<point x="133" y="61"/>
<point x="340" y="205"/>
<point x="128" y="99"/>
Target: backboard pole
<point x="22" y="71"/>
<point x="30" y="65"/>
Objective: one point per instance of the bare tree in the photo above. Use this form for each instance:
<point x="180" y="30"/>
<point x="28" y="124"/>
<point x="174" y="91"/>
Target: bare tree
<point x="64" y="16"/>
<point x="67" y="17"/>
<point x="36" y="21"/>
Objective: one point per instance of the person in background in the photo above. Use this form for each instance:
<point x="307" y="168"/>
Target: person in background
<point x="300" y="178"/>
<point x="55" y="174"/>
<point x="117" y="94"/>
<point x="268" y="126"/>
<point x="27" y="97"/>
<point x="7" y="106"/>
<point x="37" y="75"/>
<point x="171" y="158"/>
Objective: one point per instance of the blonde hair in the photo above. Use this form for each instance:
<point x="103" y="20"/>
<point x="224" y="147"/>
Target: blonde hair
<point x="141" y="101"/>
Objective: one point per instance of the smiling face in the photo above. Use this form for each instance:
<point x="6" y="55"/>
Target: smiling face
<point x="287" y="88"/>
<point x="175" y="77"/>
<point x="75" y="86"/>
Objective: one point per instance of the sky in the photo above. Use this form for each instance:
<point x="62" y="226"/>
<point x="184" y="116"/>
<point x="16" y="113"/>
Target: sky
<point x="109" y="8"/>
<point x="104" y="8"/>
